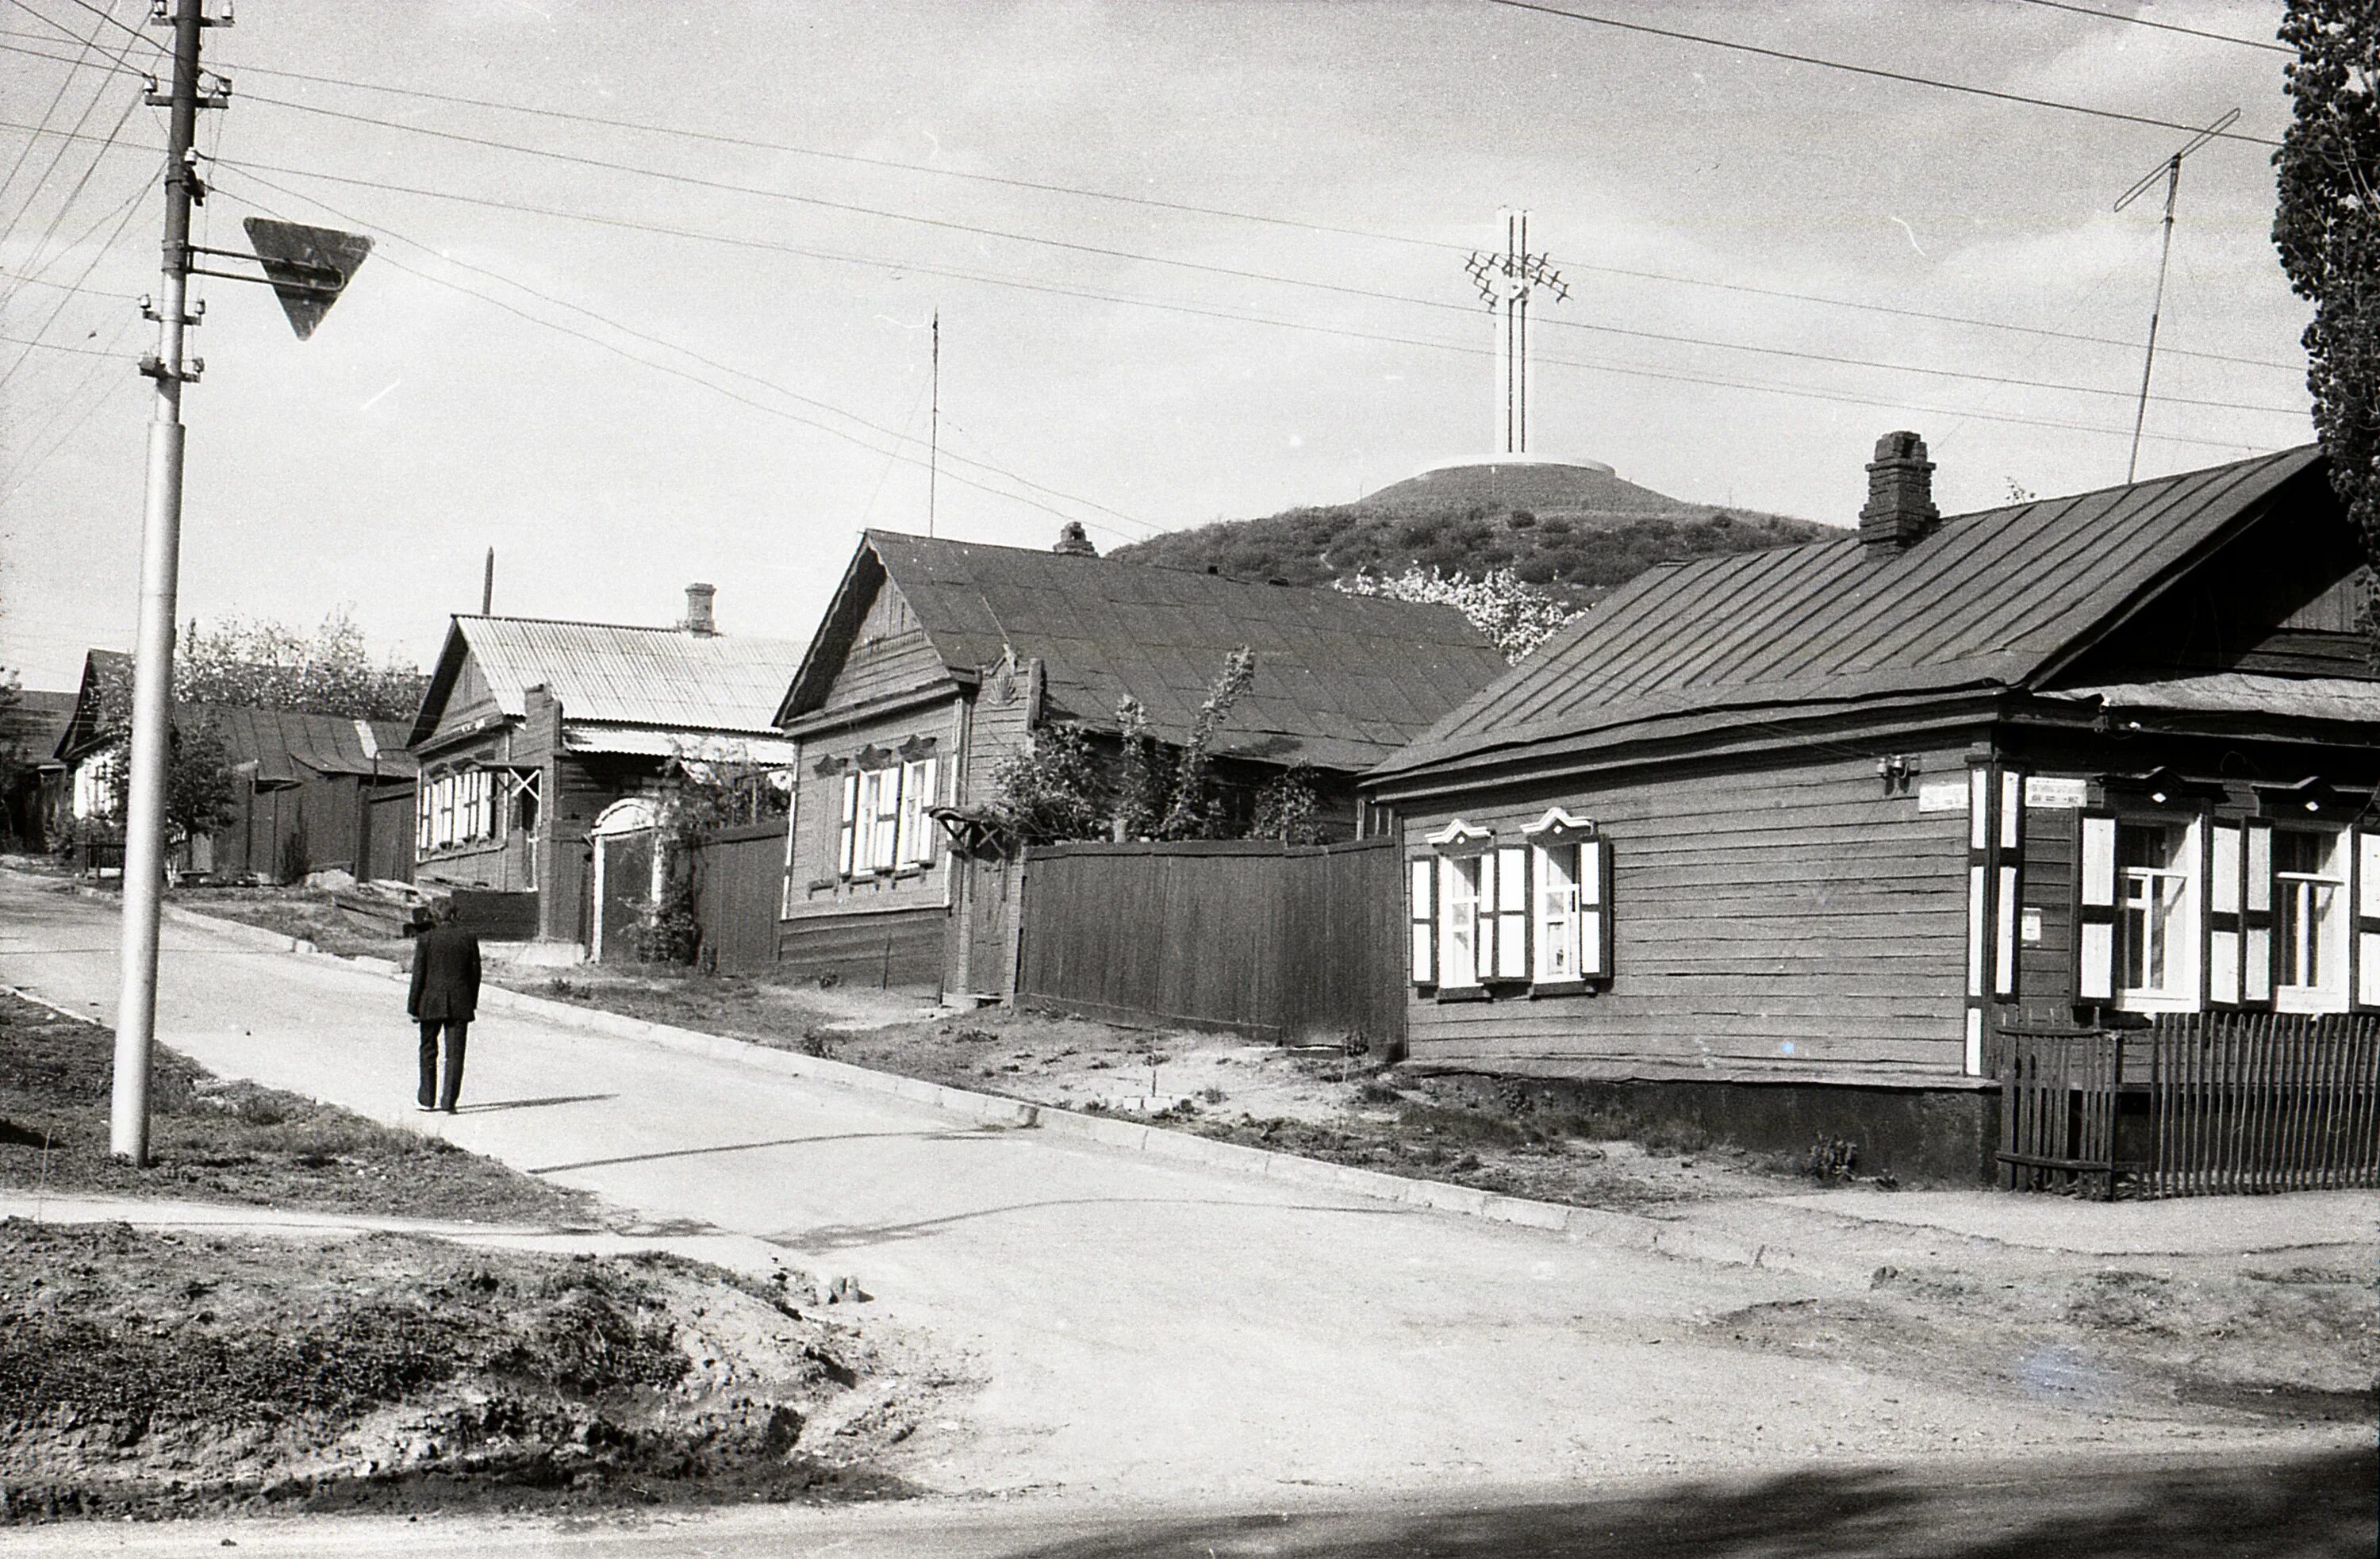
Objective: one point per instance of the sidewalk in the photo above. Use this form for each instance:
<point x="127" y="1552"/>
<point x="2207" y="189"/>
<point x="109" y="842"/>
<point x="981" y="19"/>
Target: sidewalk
<point x="739" y="1252"/>
<point x="1843" y="1235"/>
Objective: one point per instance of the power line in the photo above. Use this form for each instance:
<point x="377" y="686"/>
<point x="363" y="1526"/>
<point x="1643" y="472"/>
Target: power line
<point x="33" y="193"/>
<point x="1201" y="266"/>
<point x="34" y="263"/>
<point x="1798" y="391"/>
<point x="123" y="215"/>
<point x="1872" y="71"/>
<point x="2165" y="25"/>
<point x="696" y="379"/>
<point x="1182" y="207"/>
<point x="1967" y="320"/>
<point x="879" y="263"/>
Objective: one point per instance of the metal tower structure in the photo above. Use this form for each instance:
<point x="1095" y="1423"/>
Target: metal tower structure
<point x="1506" y="281"/>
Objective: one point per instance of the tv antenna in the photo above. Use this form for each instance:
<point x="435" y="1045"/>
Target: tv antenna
<point x="2170" y="171"/>
<point x="1506" y="282"/>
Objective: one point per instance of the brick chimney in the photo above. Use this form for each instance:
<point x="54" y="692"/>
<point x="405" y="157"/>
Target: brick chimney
<point x="1901" y="509"/>
<point x="697" y="610"/>
<point x="1074" y="541"/>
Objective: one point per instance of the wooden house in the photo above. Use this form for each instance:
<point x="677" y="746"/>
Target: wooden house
<point x="29" y="732"/>
<point x="544" y="746"/>
<point x="310" y="792"/>
<point x="937" y="660"/>
<point x="1795" y="842"/>
<point x="315" y="792"/>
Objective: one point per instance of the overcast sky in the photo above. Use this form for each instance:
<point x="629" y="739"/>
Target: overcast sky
<point x="1172" y="367"/>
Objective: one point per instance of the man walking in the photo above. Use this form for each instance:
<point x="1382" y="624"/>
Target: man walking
<point x="445" y="994"/>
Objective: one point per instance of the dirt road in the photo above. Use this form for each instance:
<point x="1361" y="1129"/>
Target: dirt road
<point x="1142" y="1331"/>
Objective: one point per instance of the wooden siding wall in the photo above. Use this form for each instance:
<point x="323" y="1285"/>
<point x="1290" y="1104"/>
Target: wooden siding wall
<point x="1283" y="944"/>
<point x="891" y="656"/>
<point x="1791" y="921"/>
<point x="737" y="874"/>
<point x="898" y="948"/>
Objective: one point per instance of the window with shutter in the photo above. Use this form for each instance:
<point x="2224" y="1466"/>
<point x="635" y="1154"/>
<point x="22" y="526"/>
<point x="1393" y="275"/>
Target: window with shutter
<point x="883" y="852"/>
<point x="2094" y="912"/>
<point x="2256" y="914"/>
<point x="1558" y="914"/>
<point x="423" y="790"/>
<point x="846" y="847"/>
<point x="2223" y="885"/>
<point x="1458" y="921"/>
<point x="2156" y="938"/>
<point x="2310" y="915"/>
<point x="2366" y="856"/>
<point x="1594" y="909"/>
<point x="1512" y="912"/>
<point x="1421" y="900"/>
<point x="918" y="792"/>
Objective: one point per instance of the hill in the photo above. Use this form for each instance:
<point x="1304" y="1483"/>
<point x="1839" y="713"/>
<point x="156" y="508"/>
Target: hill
<point x="1572" y="531"/>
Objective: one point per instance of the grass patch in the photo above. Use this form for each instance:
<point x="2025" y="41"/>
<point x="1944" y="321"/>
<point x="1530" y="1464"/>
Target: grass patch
<point x="232" y="1141"/>
<point x="150" y="1374"/>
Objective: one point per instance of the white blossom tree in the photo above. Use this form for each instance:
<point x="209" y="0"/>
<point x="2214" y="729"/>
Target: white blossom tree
<point x="1514" y="615"/>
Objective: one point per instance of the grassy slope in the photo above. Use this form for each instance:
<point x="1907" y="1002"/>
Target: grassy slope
<point x="233" y="1141"/>
<point x="1576" y="553"/>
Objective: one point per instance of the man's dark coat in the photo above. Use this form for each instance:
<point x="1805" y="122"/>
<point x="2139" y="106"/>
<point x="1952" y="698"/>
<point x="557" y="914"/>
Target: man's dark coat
<point x="445" y="975"/>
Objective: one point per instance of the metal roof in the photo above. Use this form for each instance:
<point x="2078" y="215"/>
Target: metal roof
<point x="284" y="743"/>
<point x="1990" y="598"/>
<point x="1340" y="680"/>
<point x="614" y="675"/>
<point x="2241" y="692"/>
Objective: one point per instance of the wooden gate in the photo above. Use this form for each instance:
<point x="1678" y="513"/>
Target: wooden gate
<point x="2194" y="1103"/>
<point x="1282" y="942"/>
<point x="738" y="882"/>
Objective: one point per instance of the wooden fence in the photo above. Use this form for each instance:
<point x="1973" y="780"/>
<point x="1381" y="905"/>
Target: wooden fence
<point x="738" y="878"/>
<point x="1295" y="944"/>
<point x="2194" y="1103"/>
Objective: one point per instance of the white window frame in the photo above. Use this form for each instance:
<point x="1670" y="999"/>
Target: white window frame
<point x="1558" y="928"/>
<point x="2185" y="932"/>
<point x="913" y="842"/>
<point x="2328" y="945"/>
<point x="1459" y="885"/>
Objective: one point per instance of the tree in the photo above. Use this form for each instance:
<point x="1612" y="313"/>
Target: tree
<point x="1288" y="811"/>
<point x="1514" y="615"/>
<point x="199" y="782"/>
<point x="1190" y="811"/>
<point x="2326" y="227"/>
<point x="1046" y="790"/>
<point x="1138" y="798"/>
<point x="14" y="762"/>
<point x="700" y="796"/>
<point x="249" y="663"/>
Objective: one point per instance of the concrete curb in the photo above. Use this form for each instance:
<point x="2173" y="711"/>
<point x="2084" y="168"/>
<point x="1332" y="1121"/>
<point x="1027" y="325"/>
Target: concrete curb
<point x="1627" y="1231"/>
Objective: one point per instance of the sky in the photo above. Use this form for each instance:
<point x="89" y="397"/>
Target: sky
<point x="1192" y="262"/>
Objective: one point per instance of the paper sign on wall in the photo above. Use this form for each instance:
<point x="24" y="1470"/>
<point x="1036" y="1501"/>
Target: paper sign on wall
<point x="1942" y="796"/>
<point x="2029" y="923"/>
<point x="2045" y="790"/>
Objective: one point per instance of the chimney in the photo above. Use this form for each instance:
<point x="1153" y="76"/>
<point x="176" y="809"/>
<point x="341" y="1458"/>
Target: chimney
<point x="697" y="610"/>
<point x="1073" y="542"/>
<point x="1901" y="509"/>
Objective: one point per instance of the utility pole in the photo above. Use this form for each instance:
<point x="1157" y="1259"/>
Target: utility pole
<point x="2170" y="171"/>
<point x="488" y="583"/>
<point x="934" y="427"/>
<point x="308" y="269"/>
<point x="161" y="543"/>
<point x="1506" y="282"/>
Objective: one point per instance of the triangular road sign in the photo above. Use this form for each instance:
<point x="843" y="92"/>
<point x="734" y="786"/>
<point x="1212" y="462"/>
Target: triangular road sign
<point x="308" y="267"/>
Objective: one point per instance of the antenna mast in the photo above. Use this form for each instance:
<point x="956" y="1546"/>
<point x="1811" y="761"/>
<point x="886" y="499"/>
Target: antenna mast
<point x="2170" y="171"/>
<point x="1505" y="282"/>
<point x="934" y="427"/>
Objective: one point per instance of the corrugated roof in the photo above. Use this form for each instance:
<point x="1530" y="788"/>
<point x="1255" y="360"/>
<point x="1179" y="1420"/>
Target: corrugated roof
<point x="284" y="743"/>
<point x="611" y="673"/>
<point x="1989" y="599"/>
<point x="1341" y="682"/>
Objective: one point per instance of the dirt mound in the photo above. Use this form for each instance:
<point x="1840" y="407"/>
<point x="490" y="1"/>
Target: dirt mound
<point x="147" y="1374"/>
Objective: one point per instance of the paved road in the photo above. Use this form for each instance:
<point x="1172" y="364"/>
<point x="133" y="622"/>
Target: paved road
<point x="2304" y="1505"/>
<point x="1142" y="1330"/>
